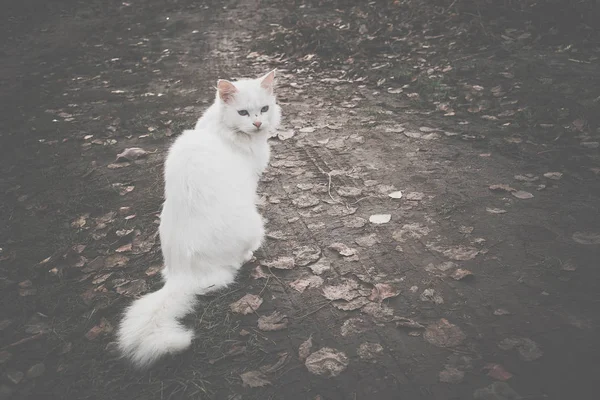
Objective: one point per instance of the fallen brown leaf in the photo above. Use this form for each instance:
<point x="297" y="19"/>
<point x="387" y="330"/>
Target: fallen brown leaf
<point x="280" y="263"/>
<point x="342" y="249"/>
<point x="444" y="334"/>
<point x="502" y="188"/>
<point x="132" y="154"/>
<point x="254" y="379"/>
<point x="273" y="322"/>
<point x="247" y="304"/>
<point x="304" y="349"/>
<point x="327" y="362"/>
<point x="304" y="283"/>
<point x="305" y="255"/>
<point x="382" y="291"/>
<point x="103" y="328"/>
<point x="461" y="274"/>
<point x="497" y="371"/>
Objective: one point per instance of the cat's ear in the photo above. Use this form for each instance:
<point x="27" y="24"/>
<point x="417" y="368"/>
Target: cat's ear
<point x="268" y="81"/>
<point x="227" y="90"/>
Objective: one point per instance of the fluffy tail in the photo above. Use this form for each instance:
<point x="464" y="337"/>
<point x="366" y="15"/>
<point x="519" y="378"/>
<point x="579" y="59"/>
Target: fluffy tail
<point x="150" y="327"/>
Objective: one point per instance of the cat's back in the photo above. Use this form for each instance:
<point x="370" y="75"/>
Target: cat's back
<point x="196" y="148"/>
<point x="200" y="159"/>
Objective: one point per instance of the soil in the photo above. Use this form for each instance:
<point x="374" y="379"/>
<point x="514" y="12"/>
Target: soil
<point x="457" y="289"/>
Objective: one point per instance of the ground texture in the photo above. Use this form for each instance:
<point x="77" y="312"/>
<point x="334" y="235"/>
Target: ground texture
<point x="432" y="201"/>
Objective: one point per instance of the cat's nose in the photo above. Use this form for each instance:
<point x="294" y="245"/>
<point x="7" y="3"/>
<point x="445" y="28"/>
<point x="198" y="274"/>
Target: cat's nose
<point x="257" y="124"/>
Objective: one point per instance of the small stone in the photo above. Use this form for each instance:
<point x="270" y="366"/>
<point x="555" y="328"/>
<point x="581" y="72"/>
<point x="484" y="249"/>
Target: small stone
<point x="36" y="371"/>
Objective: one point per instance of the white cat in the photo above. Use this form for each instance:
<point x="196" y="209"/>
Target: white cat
<point x="210" y="225"/>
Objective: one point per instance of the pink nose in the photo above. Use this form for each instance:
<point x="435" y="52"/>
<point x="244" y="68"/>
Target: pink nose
<point x="257" y="124"/>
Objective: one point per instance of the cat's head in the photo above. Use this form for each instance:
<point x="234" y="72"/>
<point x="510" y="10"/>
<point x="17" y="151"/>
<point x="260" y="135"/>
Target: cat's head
<point x="249" y="105"/>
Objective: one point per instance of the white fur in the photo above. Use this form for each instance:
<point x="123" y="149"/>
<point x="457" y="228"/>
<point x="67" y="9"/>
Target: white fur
<point x="210" y="225"/>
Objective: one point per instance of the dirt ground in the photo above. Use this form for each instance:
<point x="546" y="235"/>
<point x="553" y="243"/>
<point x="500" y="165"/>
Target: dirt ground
<point x="432" y="201"/>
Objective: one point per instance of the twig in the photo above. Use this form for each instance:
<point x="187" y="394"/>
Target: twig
<point x="264" y="287"/>
<point x="25" y="340"/>
<point x="450" y="6"/>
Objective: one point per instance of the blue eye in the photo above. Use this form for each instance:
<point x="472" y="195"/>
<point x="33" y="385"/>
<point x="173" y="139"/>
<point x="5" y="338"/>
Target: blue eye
<point x="243" y="112"/>
<point x="264" y="109"/>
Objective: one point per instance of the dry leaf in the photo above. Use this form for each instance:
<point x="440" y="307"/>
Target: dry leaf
<point x="80" y="221"/>
<point x="527" y="178"/>
<point x="380" y="218"/>
<point x="347" y="191"/>
<point x="280" y="263"/>
<point x="305" y="201"/>
<point x="378" y="311"/>
<point x="502" y="188"/>
<point x="382" y="291"/>
<point x="347" y="290"/>
<point x="327" y="362"/>
<point x="369" y="351"/>
<point x="553" y="175"/>
<point x="355" y="222"/>
<point x="285" y="135"/>
<point x="461" y="274"/>
<point x="273" y="322"/>
<point x="521" y="194"/>
<point x="258" y="273"/>
<point x="342" y="249"/>
<point x="114" y="261"/>
<point x="103" y="328"/>
<point x="528" y="349"/>
<point x="351" y="305"/>
<point x="367" y="241"/>
<point x="402" y="322"/>
<point x="307" y="254"/>
<point x="304" y="283"/>
<point x="247" y="304"/>
<point x="320" y="266"/>
<point x="497" y="371"/>
<point x="444" y="334"/>
<point x="415" y="196"/>
<point x="304" y="349"/>
<point x="254" y="379"/>
<point x="451" y="375"/>
<point x="124" y="248"/>
<point x="132" y="154"/>
<point x="430" y="295"/>
<point x="133" y="288"/>
<point x="153" y="269"/>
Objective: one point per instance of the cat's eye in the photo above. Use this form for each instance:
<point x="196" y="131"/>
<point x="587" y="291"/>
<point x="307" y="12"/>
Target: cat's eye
<point x="243" y="112"/>
<point x="264" y="109"/>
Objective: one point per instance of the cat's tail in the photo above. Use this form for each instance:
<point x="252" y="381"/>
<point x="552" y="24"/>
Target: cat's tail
<point x="150" y="327"/>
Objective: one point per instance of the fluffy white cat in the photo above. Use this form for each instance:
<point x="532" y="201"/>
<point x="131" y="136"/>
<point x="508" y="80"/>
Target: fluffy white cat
<point x="210" y="225"/>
